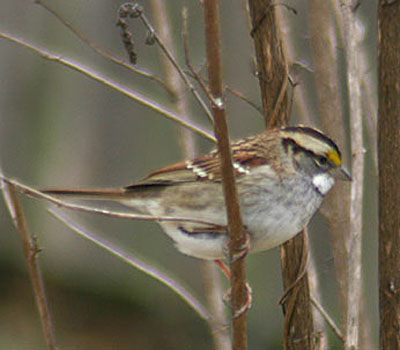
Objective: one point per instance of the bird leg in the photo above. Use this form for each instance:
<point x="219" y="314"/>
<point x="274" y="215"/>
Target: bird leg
<point x="240" y="254"/>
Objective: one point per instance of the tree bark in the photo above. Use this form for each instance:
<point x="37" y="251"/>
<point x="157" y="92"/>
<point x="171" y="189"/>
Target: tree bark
<point x="389" y="170"/>
<point x="273" y="78"/>
<point x="271" y="64"/>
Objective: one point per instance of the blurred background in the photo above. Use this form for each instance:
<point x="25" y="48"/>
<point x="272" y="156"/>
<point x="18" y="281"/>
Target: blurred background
<point x="60" y="128"/>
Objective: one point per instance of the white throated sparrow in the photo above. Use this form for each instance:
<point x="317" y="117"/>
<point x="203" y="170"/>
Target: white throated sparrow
<point x="282" y="176"/>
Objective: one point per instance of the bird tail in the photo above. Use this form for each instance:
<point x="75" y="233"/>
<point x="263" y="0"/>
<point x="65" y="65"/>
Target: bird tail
<point x="91" y="193"/>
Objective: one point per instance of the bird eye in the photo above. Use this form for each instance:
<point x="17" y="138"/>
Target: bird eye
<point x="322" y="161"/>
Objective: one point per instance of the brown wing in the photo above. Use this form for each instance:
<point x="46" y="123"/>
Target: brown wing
<point x="246" y="155"/>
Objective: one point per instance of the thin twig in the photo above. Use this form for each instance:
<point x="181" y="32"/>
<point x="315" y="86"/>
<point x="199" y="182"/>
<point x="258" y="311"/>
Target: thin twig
<point x="150" y="270"/>
<point x="303" y="266"/>
<point x="172" y="78"/>
<point x="244" y="98"/>
<point x="193" y="72"/>
<point x="114" y="214"/>
<point x="239" y="292"/>
<point x="301" y="102"/>
<point x="229" y="89"/>
<point x="106" y="81"/>
<point x="281" y="96"/>
<point x="31" y="250"/>
<point x="98" y="50"/>
<point x="138" y="10"/>
<point x="327" y="318"/>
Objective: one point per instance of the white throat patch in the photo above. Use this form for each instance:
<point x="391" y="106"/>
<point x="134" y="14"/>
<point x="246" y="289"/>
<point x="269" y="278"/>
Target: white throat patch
<point x="323" y="182"/>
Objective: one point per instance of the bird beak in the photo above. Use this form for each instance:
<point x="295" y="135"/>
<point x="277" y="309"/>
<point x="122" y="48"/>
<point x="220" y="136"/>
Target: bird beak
<point x="341" y="173"/>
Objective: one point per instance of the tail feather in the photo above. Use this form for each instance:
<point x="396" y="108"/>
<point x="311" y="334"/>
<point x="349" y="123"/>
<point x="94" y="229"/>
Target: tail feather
<point x="94" y="194"/>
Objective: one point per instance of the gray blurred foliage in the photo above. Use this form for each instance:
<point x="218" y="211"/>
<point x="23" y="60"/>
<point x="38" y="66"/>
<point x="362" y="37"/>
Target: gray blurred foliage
<point x="59" y="128"/>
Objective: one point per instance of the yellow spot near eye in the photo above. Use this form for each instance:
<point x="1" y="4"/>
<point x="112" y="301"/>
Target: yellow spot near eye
<point x="334" y="157"/>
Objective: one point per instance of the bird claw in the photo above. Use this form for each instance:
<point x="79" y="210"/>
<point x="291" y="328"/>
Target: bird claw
<point x="237" y="312"/>
<point x="242" y="251"/>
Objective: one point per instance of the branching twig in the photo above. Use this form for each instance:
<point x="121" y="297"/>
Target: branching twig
<point x="172" y="77"/>
<point x="31" y="250"/>
<point x="136" y="9"/>
<point x="193" y="72"/>
<point x="170" y="282"/>
<point x="98" y="50"/>
<point x="244" y="98"/>
<point x="106" y="81"/>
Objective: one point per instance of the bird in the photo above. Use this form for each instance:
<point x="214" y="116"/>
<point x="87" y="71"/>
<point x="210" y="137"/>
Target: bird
<point x="282" y="176"/>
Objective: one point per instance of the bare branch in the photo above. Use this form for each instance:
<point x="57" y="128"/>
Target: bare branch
<point x="98" y="50"/>
<point x="193" y="72"/>
<point x="138" y="10"/>
<point x="106" y="81"/>
<point x="327" y="318"/>
<point x="31" y="250"/>
<point x="137" y="263"/>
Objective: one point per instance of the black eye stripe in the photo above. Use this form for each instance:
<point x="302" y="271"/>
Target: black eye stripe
<point x="320" y="159"/>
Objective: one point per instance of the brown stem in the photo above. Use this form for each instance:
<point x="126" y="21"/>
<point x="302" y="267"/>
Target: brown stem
<point x="270" y="62"/>
<point x="217" y="320"/>
<point x="31" y="250"/>
<point x="298" y="327"/>
<point x="272" y="69"/>
<point x="235" y="226"/>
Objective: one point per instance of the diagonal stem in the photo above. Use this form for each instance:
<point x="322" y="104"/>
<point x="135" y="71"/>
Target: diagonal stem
<point x="31" y="251"/>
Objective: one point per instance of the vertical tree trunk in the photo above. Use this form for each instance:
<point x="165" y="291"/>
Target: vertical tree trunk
<point x="389" y="172"/>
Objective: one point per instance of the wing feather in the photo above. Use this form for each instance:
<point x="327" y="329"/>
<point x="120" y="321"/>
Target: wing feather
<point x="245" y="153"/>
